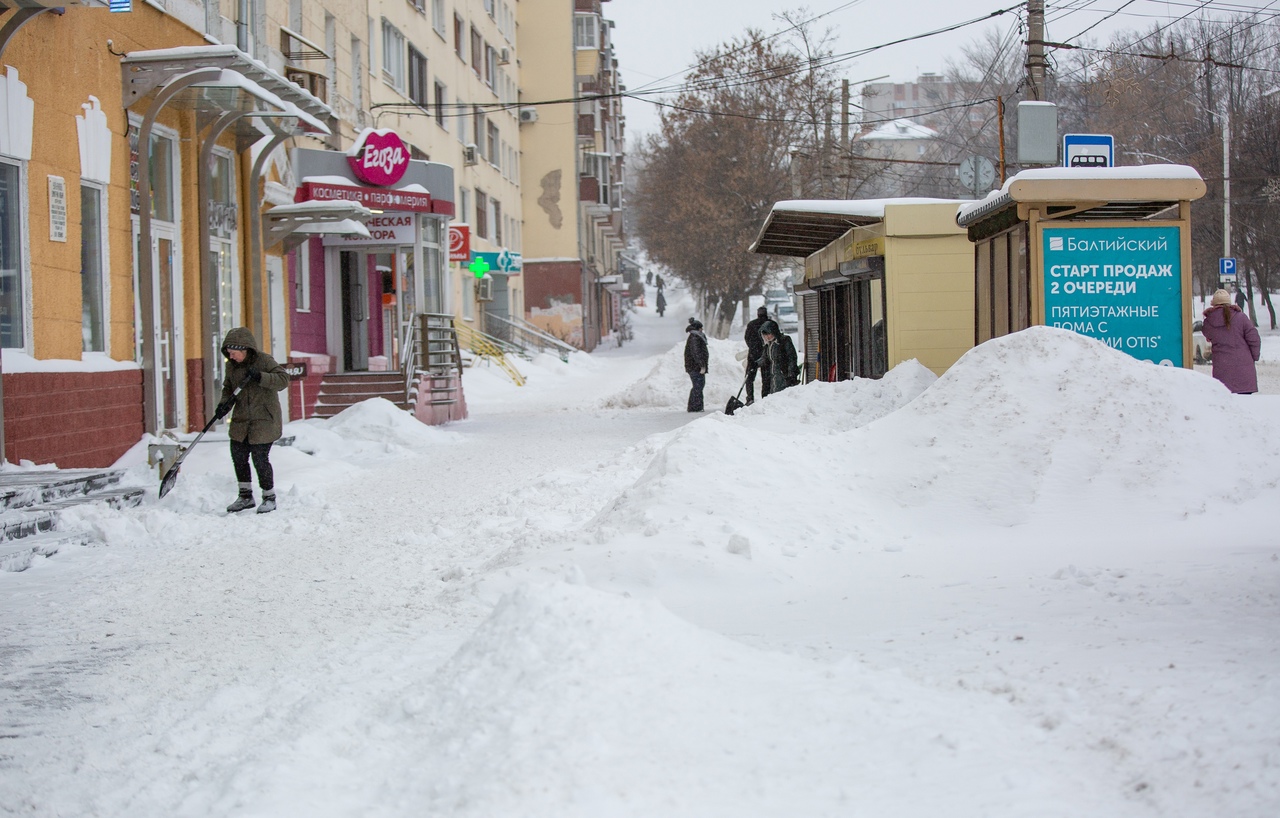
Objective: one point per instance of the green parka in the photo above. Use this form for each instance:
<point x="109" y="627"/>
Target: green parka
<point x="255" y="417"/>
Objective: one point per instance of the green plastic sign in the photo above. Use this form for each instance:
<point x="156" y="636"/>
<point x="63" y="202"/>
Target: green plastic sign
<point x="479" y="267"/>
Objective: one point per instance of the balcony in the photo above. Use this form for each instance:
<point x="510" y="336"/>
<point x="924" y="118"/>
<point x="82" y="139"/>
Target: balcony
<point x="313" y="81"/>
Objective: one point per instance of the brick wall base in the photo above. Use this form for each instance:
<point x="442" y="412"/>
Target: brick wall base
<point x="75" y="420"/>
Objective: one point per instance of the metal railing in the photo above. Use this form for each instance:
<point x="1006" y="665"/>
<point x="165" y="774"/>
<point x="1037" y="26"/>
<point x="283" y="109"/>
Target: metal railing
<point x="524" y="334"/>
<point x="429" y="345"/>
<point x="494" y="350"/>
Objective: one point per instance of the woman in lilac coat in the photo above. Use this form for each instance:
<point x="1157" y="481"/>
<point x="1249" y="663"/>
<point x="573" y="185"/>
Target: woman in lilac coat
<point x="1236" y="345"/>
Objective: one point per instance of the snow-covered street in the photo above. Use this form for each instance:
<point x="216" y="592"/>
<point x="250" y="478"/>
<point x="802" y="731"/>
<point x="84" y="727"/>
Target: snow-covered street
<point x="1046" y="584"/>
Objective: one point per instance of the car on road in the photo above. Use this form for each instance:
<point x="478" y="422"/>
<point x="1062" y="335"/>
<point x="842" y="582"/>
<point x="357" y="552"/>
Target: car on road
<point x="772" y="297"/>
<point x="788" y="318"/>
<point x="1202" y="350"/>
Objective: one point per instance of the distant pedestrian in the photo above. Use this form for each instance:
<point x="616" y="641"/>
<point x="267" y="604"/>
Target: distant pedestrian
<point x="1235" y="343"/>
<point x="648" y="278"/>
<point x="1241" y="301"/>
<point x="696" y="359"/>
<point x="755" y="348"/>
<point x="659" y="281"/>
<point x="255" y="415"/>
<point x="778" y="363"/>
<point x="661" y="303"/>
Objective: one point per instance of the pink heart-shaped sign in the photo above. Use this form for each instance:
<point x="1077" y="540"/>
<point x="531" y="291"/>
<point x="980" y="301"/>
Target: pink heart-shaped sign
<point x="380" y="159"/>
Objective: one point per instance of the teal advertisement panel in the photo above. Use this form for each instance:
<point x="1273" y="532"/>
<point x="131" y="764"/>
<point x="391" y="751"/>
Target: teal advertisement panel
<point x="1120" y="285"/>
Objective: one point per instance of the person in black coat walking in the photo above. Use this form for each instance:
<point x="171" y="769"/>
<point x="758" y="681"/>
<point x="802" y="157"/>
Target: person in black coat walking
<point x="779" y="366"/>
<point x="696" y="358"/>
<point x="755" y="348"/>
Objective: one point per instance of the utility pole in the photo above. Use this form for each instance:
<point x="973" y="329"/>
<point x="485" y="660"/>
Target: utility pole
<point x="846" y="154"/>
<point x="1035" y="49"/>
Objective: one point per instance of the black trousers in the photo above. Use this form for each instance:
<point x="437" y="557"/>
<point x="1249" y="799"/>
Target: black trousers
<point x="752" y="368"/>
<point x="695" y="391"/>
<point x="261" y="454"/>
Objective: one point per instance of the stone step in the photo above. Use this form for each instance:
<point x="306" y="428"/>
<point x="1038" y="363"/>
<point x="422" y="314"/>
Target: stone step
<point x="22" y="489"/>
<point x="17" y="555"/>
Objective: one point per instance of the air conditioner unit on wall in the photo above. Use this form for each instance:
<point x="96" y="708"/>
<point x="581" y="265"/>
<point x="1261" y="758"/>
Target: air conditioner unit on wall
<point x="484" y="289"/>
<point x="470" y="155"/>
<point x="504" y="56"/>
<point x="528" y="115"/>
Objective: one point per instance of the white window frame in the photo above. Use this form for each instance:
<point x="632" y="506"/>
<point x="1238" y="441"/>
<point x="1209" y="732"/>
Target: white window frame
<point x="104" y="253"/>
<point x="439" y="20"/>
<point x="23" y="272"/>
<point x="586" y="31"/>
<point x="395" y="56"/>
<point x="302" y="277"/>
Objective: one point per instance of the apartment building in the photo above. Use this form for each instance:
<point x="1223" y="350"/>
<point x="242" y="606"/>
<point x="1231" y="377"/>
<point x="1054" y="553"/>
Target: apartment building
<point x="293" y="166"/>
<point x="573" y="137"/>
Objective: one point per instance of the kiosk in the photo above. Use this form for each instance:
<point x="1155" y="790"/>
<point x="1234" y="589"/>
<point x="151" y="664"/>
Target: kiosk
<point x="1105" y="252"/>
<point x="885" y="280"/>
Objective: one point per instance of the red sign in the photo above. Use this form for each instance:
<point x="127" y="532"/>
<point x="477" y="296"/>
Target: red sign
<point x="459" y="242"/>
<point x="371" y="197"/>
<point x="379" y="157"/>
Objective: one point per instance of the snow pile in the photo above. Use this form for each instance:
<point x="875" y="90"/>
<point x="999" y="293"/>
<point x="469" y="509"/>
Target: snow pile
<point x="830" y="408"/>
<point x="666" y="386"/>
<point x="376" y="421"/>
<point x="1050" y="420"/>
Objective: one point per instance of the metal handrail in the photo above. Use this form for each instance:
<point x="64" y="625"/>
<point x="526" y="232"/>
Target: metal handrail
<point x="491" y="349"/>
<point x="409" y="355"/>
<point x="532" y="336"/>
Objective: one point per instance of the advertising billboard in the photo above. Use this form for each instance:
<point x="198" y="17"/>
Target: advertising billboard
<point x="1120" y="285"/>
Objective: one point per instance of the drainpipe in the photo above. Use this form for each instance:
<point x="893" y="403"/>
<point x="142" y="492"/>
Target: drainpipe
<point x="242" y="26"/>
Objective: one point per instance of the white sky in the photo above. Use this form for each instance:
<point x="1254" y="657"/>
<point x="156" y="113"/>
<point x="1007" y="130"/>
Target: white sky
<point x="656" y="39"/>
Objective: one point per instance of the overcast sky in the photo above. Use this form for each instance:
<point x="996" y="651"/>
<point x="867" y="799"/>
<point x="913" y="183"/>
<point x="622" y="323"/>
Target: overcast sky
<point x="656" y="39"/>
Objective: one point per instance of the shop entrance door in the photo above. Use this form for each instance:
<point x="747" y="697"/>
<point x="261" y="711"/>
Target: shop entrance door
<point x="166" y="283"/>
<point x="355" y="310"/>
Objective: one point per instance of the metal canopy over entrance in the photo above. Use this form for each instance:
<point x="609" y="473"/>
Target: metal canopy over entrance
<point x="229" y="91"/>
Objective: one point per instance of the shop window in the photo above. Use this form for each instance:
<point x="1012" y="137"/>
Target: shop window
<point x="302" y="277"/>
<point x="11" y="231"/>
<point x="162" y="205"/>
<point x="92" y="254"/>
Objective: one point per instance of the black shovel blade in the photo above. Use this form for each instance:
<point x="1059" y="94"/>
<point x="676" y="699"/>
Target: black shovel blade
<point x="170" y="478"/>
<point x="733" y="405"/>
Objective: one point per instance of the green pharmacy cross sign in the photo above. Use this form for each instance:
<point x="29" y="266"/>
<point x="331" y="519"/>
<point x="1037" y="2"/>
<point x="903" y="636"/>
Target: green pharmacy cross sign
<point x="479" y="267"/>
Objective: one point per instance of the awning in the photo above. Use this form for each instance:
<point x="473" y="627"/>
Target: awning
<point x="315" y="217"/>
<point x="146" y="71"/>
<point x="801" y="233"/>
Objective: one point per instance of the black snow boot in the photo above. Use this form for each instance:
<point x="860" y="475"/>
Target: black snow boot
<point x="244" y="501"/>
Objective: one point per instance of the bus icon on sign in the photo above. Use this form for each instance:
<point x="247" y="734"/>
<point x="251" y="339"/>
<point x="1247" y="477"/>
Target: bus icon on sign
<point x="1089" y="161"/>
<point x="1088" y="150"/>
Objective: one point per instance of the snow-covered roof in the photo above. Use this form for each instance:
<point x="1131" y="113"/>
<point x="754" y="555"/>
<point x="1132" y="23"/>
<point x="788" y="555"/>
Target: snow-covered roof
<point x="800" y="227"/>
<point x="1133" y="183"/>
<point x="900" y="129"/>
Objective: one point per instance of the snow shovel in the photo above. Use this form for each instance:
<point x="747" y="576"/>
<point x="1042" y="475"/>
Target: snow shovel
<point x="735" y="402"/>
<point x="171" y="476"/>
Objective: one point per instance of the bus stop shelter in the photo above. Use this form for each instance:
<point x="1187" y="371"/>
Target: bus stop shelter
<point x="1105" y="252"/>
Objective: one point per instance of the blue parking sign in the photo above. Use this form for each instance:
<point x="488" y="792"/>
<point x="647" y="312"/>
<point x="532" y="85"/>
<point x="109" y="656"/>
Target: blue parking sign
<point x="1226" y="267"/>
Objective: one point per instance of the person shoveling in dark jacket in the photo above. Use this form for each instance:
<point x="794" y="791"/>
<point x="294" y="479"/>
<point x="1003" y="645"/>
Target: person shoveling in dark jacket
<point x="255" y="415"/>
<point x="779" y="367"/>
